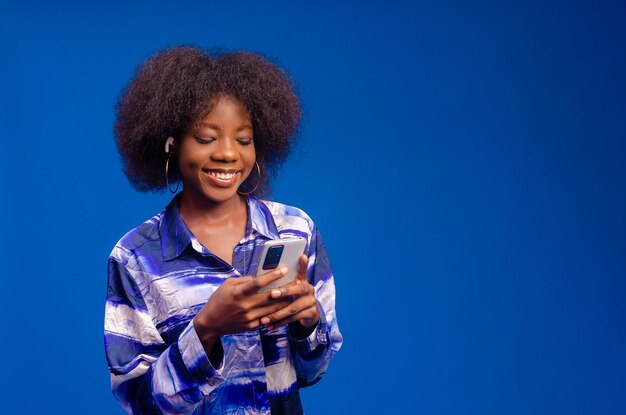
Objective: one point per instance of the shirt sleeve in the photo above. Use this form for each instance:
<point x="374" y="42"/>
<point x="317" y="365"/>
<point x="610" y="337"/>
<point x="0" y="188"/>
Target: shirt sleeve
<point x="147" y="375"/>
<point x="313" y="354"/>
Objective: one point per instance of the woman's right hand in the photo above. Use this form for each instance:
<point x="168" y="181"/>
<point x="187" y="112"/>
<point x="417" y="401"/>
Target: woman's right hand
<point x="237" y="306"/>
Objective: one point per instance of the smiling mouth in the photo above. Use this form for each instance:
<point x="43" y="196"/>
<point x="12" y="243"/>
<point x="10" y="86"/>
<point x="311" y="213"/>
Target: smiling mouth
<point x="222" y="177"/>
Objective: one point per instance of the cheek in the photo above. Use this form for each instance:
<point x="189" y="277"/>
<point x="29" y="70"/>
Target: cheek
<point x="250" y="165"/>
<point x="190" y="156"/>
<point x="187" y="165"/>
<point x="250" y="155"/>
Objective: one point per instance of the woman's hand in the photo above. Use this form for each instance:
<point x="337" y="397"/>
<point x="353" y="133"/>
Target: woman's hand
<point x="302" y="306"/>
<point x="237" y="306"/>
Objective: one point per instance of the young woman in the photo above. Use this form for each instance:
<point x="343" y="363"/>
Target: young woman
<point x="187" y="327"/>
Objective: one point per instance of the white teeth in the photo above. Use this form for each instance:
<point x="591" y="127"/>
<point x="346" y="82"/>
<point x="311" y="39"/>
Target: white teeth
<point x="221" y="175"/>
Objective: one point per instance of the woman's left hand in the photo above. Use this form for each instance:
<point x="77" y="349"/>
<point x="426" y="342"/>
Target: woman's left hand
<point x="303" y="307"/>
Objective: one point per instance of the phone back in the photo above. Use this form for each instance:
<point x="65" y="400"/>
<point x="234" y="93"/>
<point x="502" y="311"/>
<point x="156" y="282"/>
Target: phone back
<point x="273" y="256"/>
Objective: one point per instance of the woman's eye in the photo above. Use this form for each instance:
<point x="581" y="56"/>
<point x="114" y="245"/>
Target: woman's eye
<point x="204" y="140"/>
<point x="245" y="141"/>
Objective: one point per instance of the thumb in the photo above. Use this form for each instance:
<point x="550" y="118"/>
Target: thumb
<point x="302" y="267"/>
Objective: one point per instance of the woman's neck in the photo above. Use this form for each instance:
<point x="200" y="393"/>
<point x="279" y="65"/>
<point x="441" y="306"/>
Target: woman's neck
<point x="193" y="209"/>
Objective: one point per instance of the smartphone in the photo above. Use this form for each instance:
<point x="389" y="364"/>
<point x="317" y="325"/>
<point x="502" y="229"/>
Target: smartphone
<point x="278" y="253"/>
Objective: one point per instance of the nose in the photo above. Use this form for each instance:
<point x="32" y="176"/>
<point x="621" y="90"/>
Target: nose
<point x="225" y="151"/>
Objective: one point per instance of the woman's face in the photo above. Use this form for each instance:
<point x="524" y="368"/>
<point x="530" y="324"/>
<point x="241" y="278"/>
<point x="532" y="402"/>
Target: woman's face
<point x="217" y="154"/>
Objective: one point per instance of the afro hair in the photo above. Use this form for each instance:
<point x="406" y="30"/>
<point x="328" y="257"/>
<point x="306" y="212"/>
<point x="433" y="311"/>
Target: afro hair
<point x="176" y="87"/>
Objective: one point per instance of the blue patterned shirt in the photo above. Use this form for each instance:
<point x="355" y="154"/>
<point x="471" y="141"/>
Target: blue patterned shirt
<point x="160" y="276"/>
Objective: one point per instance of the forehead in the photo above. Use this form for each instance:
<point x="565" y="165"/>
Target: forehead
<point x="226" y="108"/>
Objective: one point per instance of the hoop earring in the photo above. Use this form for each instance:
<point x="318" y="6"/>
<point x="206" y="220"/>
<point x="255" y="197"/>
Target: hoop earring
<point x="167" y="178"/>
<point x="258" y="169"/>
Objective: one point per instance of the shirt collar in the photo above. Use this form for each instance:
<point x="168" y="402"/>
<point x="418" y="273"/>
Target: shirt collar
<point x="176" y="236"/>
<point x="260" y="219"/>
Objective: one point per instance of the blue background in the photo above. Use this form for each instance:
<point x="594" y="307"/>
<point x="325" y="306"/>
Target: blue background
<point x="465" y="163"/>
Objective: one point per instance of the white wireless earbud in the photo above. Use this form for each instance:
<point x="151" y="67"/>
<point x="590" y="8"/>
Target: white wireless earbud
<point x="168" y="143"/>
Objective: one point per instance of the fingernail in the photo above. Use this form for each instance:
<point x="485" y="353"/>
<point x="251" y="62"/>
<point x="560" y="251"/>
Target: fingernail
<point x="265" y="320"/>
<point x="275" y="293"/>
<point x="284" y="270"/>
<point x="298" y="282"/>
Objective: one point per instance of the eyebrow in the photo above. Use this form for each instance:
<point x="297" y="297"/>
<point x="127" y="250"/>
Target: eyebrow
<point x="216" y="127"/>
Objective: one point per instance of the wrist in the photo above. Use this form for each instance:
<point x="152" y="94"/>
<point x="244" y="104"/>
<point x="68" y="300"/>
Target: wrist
<point x="301" y="332"/>
<point x="207" y="335"/>
<point x="210" y="342"/>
